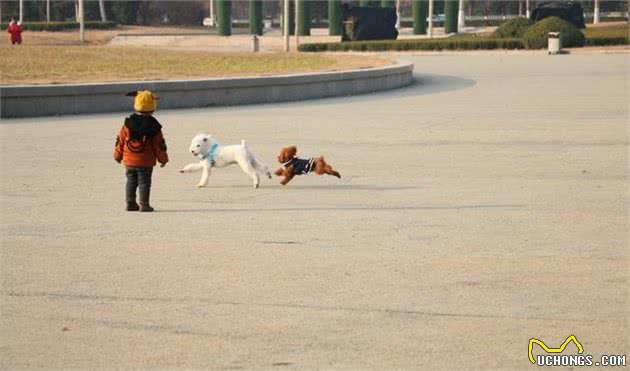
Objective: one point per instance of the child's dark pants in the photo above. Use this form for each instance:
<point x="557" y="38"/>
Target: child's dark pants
<point x="138" y="177"/>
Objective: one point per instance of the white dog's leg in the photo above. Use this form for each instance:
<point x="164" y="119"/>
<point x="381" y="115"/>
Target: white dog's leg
<point x="262" y="168"/>
<point x="246" y="165"/>
<point x="191" y="167"/>
<point x="204" y="175"/>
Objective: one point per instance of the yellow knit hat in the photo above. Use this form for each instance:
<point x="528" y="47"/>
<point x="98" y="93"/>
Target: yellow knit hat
<point x="145" y="101"/>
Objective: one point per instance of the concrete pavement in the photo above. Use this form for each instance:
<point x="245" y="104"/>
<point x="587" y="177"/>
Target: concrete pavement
<point x="485" y="205"/>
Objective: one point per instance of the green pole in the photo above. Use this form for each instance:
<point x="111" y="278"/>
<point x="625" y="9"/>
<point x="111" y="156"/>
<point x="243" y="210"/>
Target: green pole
<point x="304" y="12"/>
<point x="255" y="17"/>
<point x="291" y="17"/>
<point x="224" y="17"/>
<point x="368" y="3"/>
<point x="419" y="10"/>
<point x="334" y="17"/>
<point x="450" y="16"/>
<point x="388" y="3"/>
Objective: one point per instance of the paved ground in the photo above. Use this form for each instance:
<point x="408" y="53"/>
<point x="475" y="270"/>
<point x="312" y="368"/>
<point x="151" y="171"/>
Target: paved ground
<point x="240" y="41"/>
<point x="484" y="206"/>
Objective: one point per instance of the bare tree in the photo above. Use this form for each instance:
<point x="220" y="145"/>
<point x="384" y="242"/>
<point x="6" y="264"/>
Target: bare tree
<point x="101" y="6"/>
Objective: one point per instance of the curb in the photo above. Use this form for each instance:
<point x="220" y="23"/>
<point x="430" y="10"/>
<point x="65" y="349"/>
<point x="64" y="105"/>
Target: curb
<point x="68" y="99"/>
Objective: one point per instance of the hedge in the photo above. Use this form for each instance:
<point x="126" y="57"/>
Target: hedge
<point x="607" y="41"/>
<point x="60" y="26"/>
<point x="452" y="43"/>
<point x="536" y="35"/>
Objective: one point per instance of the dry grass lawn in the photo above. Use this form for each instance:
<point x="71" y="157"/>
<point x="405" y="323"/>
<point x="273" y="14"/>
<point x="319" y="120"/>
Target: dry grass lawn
<point x="27" y="64"/>
<point x="616" y="30"/>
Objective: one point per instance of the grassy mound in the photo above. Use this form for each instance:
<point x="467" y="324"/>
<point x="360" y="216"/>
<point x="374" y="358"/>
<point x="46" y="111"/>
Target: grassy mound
<point x="536" y="36"/>
<point x="514" y="28"/>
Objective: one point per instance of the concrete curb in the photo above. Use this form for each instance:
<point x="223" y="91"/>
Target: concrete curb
<point x="67" y="99"/>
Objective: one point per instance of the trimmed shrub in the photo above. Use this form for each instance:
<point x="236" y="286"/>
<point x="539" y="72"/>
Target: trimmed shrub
<point x="514" y="28"/>
<point x="536" y="36"/>
<point x="60" y="26"/>
<point x="606" y="41"/>
<point x="452" y="43"/>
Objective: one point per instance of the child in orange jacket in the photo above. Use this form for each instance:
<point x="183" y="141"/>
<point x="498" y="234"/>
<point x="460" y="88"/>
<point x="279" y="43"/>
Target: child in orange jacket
<point x="139" y="144"/>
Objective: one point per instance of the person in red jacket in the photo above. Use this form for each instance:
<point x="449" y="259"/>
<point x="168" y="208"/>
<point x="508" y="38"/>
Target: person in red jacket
<point x="15" y="29"/>
<point x="139" y="144"/>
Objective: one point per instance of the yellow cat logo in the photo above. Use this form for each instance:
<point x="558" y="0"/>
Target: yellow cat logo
<point x="571" y="338"/>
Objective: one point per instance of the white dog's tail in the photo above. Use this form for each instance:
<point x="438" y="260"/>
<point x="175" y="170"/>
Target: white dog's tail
<point x="243" y="143"/>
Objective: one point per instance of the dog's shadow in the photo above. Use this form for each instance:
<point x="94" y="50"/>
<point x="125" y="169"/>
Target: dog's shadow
<point x="337" y="187"/>
<point x="350" y="208"/>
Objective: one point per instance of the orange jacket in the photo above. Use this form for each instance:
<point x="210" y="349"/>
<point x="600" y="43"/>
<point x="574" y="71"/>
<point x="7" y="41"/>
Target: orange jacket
<point x="140" y="142"/>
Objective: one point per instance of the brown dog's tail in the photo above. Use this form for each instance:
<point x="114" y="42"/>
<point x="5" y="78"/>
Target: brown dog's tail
<point x="333" y="172"/>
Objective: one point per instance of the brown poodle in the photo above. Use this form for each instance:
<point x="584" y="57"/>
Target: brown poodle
<point x="292" y="166"/>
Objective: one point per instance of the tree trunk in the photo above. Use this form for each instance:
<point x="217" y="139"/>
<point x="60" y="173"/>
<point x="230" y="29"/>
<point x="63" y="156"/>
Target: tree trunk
<point x="101" y="6"/>
<point x="461" y="16"/>
<point x="596" y="12"/>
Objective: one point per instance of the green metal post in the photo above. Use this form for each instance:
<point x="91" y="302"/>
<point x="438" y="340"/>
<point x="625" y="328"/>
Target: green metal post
<point x="450" y="16"/>
<point x="368" y="3"/>
<point x="419" y="10"/>
<point x="291" y="17"/>
<point x="224" y="17"/>
<point x="304" y="12"/>
<point x="255" y="17"/>
<point x="334" y="17"/>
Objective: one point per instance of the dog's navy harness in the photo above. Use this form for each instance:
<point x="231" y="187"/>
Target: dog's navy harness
<point x="300" y="166"/>
<point x="210" y="155"/>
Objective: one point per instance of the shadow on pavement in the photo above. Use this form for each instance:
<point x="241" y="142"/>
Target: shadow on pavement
<point x="350" y="208"/>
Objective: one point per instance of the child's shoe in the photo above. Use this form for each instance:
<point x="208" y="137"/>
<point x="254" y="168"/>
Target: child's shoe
<point x="132" y="206"/>
<point x="145" y="207"/>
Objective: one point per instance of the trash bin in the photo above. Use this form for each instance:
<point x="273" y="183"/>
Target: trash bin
<point x="554" y="42"/>
<point x="254" y="43"/>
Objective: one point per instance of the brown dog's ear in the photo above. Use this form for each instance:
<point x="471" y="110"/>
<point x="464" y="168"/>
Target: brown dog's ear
<point x="292" y="150"/>
<point x="131" y="94"/>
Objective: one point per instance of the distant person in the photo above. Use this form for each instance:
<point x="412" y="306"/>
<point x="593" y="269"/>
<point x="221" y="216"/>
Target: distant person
<point x="15" y="29"/>
<point x="139" y="144"/>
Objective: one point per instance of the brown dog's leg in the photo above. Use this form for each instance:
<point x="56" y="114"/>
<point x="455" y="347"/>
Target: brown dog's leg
<point x="288" y="175"/>
<point x="279" y="172"/>
<point x="287" y="179"/>
<point x="321" y="168"/>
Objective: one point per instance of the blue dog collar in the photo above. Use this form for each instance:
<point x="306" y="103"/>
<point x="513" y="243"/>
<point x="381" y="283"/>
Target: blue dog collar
<point x="210" y="155"/>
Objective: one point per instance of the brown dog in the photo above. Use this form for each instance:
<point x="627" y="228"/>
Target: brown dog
<point x="292" y="165"/>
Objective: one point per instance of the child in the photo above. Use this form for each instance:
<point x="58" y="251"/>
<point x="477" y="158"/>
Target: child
<point x="16" y="32"/>
<point x="139" y="143"/>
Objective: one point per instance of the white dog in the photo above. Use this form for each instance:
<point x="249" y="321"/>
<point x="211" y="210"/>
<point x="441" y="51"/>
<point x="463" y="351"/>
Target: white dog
<point x="212" y="154"/>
